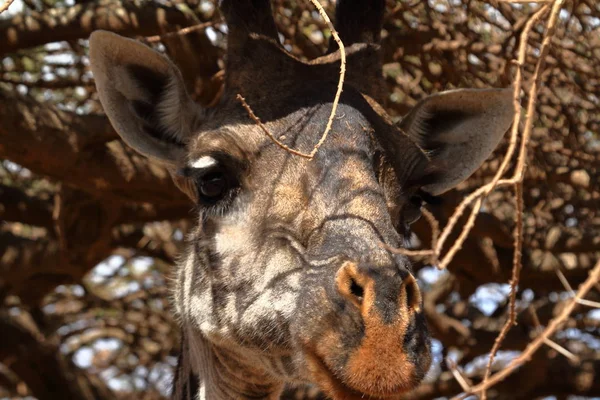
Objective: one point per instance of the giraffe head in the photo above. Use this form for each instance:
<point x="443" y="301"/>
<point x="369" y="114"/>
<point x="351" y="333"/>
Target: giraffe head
<point x="285" y="278"/>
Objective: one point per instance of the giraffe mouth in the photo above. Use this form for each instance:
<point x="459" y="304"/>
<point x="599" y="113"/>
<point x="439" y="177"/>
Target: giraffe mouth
<point x="337" y="389"/>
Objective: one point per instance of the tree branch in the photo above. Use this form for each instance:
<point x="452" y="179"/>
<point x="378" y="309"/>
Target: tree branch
<point x="58" y="144"/>
<point x="17" y="206"/>
<point x="78" y="22"/>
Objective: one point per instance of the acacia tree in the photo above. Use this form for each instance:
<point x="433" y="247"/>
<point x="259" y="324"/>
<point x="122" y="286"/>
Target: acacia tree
<point x="91" y="229"/>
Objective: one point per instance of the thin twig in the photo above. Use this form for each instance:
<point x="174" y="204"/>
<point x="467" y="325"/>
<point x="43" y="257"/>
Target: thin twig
<point x="537" y="78"/>
<point x="516" y="273"/>
<point x="569" y="289"/>
<point x="336" y="99"/>
<point x="550" y="343"/>
<point x="435" y="232"/>
<point x="181" y="32"/>
<point x="565" y="282"/>
<point x="267" y="132"/>
<point x="462" y="381"/>
<point x="589" y="303"/>
<point x="534" y="316"/>
<point x="453" y="220"/>
<point x="407" y="252"/>
<point x="462" y="237"/>
<point x="437" y="249"/>
<point x="562" y="350"/>
<point x="5" y="6"/>
<point x="435" y="227"/>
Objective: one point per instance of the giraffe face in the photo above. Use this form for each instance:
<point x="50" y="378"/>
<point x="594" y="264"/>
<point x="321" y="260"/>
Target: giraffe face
<point x="287" y="264"/>
<point x="286" y="277"/>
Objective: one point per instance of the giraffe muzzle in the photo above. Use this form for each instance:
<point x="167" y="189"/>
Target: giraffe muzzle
<point x="392" y="353"/>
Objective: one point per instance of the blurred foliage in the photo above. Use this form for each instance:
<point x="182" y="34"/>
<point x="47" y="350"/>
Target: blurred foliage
<point x="112" y="320"/>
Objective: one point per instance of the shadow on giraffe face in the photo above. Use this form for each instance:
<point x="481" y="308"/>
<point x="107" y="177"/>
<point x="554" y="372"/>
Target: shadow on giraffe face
<point x="285" y="278"/>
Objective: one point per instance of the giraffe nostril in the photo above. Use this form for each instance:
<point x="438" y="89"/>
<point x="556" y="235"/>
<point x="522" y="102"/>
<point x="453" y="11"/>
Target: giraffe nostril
<point x="351" y="284"/>
<point x="357" y="290"/>
<point x="413" y="293"/>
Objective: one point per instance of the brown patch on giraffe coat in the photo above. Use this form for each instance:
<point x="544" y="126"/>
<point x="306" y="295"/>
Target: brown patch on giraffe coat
<point x="355" y="173"/>
<point x="294" y="199"/>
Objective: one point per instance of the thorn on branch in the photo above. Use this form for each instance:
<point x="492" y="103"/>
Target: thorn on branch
<point x="548" y="342"/>
<point x="462" y="380"/>
<point x="569" y="289"/>
<point x="562" y="350"/>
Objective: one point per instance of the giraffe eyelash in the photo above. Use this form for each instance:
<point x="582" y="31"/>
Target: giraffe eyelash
<point x="219" y="208"/>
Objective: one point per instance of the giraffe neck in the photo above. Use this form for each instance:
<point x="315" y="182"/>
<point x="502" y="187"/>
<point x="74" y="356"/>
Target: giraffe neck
<point x="208" y="372"/>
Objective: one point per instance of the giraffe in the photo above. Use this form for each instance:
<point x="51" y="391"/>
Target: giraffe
<point x="285" y="279"/>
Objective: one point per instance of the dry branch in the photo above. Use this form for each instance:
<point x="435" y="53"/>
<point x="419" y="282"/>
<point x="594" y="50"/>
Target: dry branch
<point x="520" y="172"/>
<point x="59" y="144"/>
<point x="553" y="326"/>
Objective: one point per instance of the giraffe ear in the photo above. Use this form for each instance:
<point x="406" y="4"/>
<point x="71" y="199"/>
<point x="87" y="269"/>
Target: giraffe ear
<point x="458" y="130"/>
<point x="143" y="95"/>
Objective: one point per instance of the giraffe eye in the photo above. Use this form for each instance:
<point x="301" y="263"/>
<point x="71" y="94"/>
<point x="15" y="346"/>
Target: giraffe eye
<point x="215" y="180"/>
<point x="213" y="186"/>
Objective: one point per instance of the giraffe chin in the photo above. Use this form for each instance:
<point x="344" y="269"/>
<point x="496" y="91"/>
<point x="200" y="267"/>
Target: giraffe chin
<point x="338" y="389"/>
